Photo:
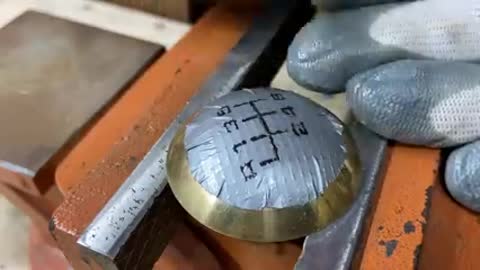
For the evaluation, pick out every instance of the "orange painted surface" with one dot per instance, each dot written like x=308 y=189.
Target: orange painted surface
x=452 y=236
x=396 y=231
x=235 y=254
x=186 y=252
x=121 y=138
x=110 y=150
x=154 y=100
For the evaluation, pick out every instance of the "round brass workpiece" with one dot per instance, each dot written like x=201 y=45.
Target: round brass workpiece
x=268 y=224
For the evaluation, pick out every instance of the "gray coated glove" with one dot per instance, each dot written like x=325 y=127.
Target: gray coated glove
x=410 y=71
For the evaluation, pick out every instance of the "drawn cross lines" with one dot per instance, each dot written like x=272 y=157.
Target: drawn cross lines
x=298 y=129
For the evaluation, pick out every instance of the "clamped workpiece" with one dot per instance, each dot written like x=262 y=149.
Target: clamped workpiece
x=121 y=213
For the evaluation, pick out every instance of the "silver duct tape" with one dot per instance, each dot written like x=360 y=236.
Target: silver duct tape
x=462 y=175
x=430 y=103
x=335 y=46
x=259 y=148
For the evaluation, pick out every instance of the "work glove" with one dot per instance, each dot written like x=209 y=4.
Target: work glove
x=411 y=74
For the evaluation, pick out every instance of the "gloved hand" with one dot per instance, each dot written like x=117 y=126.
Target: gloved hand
x=410 y=75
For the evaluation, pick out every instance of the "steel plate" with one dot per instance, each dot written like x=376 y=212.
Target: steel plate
x=54 y=76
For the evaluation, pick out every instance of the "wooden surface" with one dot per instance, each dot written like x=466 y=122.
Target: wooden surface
x=103 y=15
x=111 y=150
x=400 y=214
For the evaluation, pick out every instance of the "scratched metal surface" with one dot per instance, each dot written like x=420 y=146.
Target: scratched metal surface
x=246 y=65
x=54 y=76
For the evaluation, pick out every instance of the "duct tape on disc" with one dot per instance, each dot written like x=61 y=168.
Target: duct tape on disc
x=264 y=148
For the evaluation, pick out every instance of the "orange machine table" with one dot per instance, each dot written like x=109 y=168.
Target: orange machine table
x=414 y=223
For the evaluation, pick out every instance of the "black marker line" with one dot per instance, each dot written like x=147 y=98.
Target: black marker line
x=256 y=116
x=275 y=150
x=259 y=137
x=235 y=146
x=248 y=102
x=229 y=123
x=252 y=172
x=263 y=122
x=197 y=145
x=288 y=111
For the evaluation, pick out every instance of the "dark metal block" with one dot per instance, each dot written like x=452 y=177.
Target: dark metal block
x=55 y=75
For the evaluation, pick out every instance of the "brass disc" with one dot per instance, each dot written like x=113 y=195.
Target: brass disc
x=267 y=224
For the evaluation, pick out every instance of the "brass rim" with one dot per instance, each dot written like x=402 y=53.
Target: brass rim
x=268 y=224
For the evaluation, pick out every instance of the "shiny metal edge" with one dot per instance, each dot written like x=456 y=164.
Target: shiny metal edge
x=16 y=168
x=137 y=194
x=335 y=247
x=268 y=224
